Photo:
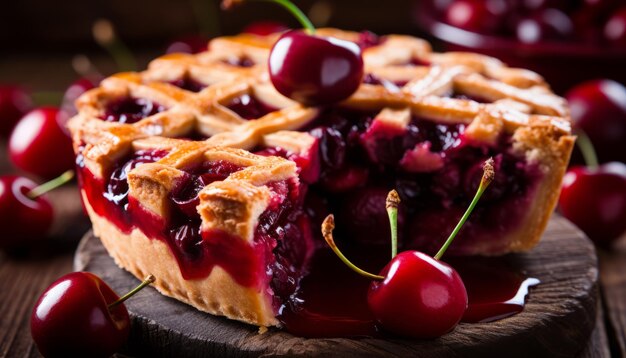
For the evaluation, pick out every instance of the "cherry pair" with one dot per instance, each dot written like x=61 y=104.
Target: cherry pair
x=415 y=295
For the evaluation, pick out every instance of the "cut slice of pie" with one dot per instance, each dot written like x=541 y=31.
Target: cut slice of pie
x=199 y=172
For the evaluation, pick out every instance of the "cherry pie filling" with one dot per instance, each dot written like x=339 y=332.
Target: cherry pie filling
x=189 y=84
x=130 y=110
x=273 y=263
x=353 y=163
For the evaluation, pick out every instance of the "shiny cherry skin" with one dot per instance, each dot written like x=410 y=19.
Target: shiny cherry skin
x=264 y=28
x=615 y=28
x=420 y=297
x=14 y=103
x=485 y=16
x=315 y=70
x=39 y=145
x=598 y=107
x=26 y=220
x=595 y=200
x=75 y=90
x=72 y=318
x=188 y=44
x=545 y=25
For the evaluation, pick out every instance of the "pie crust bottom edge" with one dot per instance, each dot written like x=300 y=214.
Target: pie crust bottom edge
x=217 y=294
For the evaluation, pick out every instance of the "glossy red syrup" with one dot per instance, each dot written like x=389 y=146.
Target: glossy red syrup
x=495 y=288
x=332 y=300
x=436 y=171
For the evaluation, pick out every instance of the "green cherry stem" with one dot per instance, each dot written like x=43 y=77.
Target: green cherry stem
x=293 y=9
x=488 y=175
x=146 y=281
x=52 y=184
x=327 y=230
x=391 y=204
x=586 y=148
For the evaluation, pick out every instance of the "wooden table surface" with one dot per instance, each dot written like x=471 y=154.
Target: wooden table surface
x=23 y=278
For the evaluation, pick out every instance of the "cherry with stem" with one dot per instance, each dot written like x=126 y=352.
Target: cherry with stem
x=594 y=197
x=23 y=204
x=399 y=297
x=51 y=185
x=310 y=69
x=79 y=315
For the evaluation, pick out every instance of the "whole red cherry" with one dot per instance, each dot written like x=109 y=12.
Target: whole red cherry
x=27 y=220
x=615 y=28
x=415 y=295
x=595 y=200
x=315 y=70
x=79 y=315
x=264 y=28
x=598 y=107
x=545 y=25
x=420 y=296
x=14 y=103
x=39 y=145
x=75 y=90
x=485 y=16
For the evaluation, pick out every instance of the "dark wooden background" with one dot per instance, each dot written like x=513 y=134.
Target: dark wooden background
x=38 y=40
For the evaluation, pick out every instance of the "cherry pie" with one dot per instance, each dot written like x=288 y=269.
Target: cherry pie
x=198 y=171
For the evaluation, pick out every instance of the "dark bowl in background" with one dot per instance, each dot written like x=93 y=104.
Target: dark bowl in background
x=562 y=64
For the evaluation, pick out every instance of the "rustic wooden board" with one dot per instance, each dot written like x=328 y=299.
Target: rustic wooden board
x=613 y=276
x=557 y=321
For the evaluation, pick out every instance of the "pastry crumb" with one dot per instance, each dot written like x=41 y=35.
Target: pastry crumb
x=262 y=330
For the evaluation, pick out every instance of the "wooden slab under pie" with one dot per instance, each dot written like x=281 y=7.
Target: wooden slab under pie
x=557 y=320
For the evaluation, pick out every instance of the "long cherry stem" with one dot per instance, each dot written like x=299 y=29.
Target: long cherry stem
x=293 y=9
x=327 y=230
x=52 y=184
x=146 y=281
x=586 y=148
x=488 y=175
x=391 y=204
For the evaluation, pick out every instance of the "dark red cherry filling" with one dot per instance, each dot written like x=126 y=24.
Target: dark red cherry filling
x=248 y=106
x=282 y=241
x=240 y=61
x=130 y=110
x=433 y=166
x=189 y=84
